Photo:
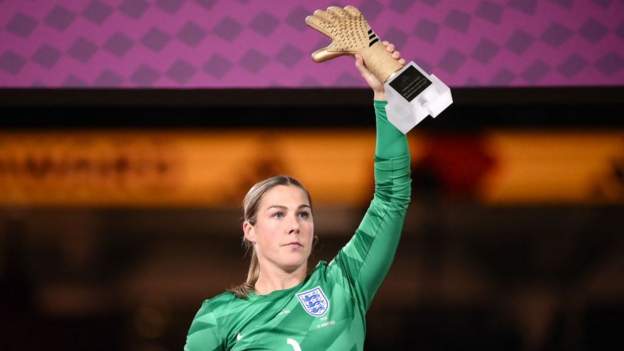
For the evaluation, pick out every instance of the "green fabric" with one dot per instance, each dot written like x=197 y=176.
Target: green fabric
x=279 y=321
x=390 y=141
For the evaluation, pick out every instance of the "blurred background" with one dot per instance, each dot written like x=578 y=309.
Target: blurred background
x=131 y=130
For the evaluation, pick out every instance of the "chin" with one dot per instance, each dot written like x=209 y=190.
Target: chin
x=293 y=265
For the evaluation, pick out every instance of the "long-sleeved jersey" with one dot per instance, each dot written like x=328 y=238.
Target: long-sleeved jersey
x=327 y=310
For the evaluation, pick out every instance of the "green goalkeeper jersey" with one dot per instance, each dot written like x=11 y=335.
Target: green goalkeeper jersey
x=327 y=311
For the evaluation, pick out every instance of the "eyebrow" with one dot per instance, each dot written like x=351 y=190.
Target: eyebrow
x=285 y=208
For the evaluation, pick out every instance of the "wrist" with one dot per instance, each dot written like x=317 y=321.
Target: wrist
x=379 y=95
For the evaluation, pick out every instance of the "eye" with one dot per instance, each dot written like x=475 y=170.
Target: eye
x=278 y=214
x=304 y=214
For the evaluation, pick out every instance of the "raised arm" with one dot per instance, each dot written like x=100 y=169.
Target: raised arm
x=367 y=257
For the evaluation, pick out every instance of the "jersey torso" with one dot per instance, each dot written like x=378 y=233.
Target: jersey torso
x=320 y=314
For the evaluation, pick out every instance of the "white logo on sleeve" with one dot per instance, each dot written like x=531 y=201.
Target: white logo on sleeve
x=314 y=302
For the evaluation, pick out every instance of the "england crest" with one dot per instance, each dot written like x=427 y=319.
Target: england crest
x=314 y=302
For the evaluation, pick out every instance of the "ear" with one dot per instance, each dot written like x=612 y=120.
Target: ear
x=249 y=231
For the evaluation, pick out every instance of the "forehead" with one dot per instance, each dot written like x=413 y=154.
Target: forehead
x=284 y=195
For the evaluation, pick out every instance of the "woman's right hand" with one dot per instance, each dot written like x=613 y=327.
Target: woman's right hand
x=372 y=81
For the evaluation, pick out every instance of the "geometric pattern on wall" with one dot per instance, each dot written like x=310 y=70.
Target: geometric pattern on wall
x=244 y=43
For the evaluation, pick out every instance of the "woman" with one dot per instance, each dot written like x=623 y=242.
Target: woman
x=281 y=306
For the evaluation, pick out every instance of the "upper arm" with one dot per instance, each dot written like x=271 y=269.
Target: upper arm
x=367 y=257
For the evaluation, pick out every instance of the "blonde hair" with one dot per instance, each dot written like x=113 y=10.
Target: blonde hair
x=251 y=204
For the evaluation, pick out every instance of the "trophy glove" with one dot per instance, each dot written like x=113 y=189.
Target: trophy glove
x=350 y=35
x=349 y=31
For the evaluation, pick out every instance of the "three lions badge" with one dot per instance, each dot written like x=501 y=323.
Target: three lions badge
x=314 y=302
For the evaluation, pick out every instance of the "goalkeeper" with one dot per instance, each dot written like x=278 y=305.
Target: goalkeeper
x=284 y=306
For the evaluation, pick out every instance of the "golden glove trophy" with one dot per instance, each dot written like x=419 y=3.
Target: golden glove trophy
x=412 y=94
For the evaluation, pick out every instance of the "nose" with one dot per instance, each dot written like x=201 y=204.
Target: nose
x=293 y=225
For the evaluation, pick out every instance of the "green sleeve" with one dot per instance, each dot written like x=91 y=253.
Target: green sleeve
x=203 y=335
x=366 y=258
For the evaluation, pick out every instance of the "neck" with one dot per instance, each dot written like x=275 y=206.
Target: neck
x=272 y=278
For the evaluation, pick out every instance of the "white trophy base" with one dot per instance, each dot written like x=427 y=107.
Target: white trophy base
x=405 y=114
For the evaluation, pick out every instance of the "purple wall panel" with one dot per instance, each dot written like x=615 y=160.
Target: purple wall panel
x=253 y=43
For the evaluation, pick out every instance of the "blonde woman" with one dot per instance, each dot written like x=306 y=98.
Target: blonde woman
x=283 y=305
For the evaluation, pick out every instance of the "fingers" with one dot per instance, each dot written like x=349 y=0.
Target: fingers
x=337 y=11
x=318 y=23
x=323 y=15
x=352 y=10
x=324 y=54
x=322 y=20
x=389 y=46
x=359 y=64
x=334 y=13
x=395 y=53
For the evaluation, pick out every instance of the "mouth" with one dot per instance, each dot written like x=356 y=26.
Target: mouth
x=293 y=244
